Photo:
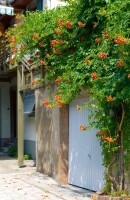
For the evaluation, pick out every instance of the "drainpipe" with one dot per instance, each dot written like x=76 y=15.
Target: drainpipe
x=40 y=4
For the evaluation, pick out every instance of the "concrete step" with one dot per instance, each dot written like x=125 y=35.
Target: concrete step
x=5 y=149
x=8 y=144
x=3 y=153
x=1 y=149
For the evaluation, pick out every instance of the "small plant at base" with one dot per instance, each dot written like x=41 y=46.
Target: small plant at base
x=27 y=156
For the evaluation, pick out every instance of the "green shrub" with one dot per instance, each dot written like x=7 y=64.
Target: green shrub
x=13 y=152
x=27 y=156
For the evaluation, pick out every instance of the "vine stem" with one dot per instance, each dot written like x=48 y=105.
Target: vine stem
x=121 y=156
x=122 y=117
x=113 y=180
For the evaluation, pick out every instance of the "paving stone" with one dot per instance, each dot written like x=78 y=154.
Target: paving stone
x=27 y=184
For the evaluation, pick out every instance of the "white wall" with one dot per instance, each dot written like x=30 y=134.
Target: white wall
x=29 y=128
x=52 y=3
x=29 y=136
x=55 y=3
x=5 y=109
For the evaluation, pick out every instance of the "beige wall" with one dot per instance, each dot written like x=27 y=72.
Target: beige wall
x=51 y=137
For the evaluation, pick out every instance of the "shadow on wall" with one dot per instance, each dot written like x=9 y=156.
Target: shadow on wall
x=51 y=151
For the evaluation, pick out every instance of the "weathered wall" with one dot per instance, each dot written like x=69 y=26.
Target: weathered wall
x=64 y=144
x=51 y=137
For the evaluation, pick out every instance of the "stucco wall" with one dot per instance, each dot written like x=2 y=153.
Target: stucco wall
x=29 y=136
x=52 y=144
x=29 y=128
x=30 y=148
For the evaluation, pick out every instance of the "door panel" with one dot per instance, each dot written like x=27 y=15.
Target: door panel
x=85 y=160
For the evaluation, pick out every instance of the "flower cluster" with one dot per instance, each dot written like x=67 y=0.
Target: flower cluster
x=98 y=40
x=69 y=25
x=110 y=98
x=58 y=99
x=102 y=56
x=94 y=76
x=35 y=81
x=105 y=137
x=78 y=107
x=120 y=63
x=81 y=24
x=83 y=127
x=42 y=62
x=58 y=80
x=121 y=40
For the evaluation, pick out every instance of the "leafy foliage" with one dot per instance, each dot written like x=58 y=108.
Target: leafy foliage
x=85 y=45
x=13 y=152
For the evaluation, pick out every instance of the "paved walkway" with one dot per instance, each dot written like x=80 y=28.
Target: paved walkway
x=27 y=184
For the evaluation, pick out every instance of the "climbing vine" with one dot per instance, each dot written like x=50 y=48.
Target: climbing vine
x=85 y=44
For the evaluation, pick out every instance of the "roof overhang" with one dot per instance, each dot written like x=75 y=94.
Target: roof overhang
x=10 y=8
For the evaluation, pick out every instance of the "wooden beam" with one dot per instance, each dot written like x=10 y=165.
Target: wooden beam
x=20 y=118
x=26 y=87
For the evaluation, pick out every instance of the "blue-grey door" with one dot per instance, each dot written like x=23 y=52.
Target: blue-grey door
x=85 y=160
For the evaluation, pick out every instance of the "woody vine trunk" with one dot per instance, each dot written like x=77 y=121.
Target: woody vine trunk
x=121 y=153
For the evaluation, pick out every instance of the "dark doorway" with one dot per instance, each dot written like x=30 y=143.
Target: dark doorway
x=13 y=112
